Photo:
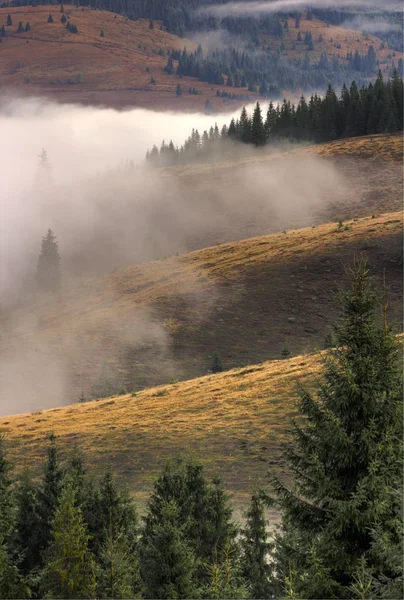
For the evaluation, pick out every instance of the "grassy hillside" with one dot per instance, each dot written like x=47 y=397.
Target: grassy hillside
x=117 y=69
x=161 y=321
x=88 y=68
x=235 y=422
x=369 y=181
x=336 y=40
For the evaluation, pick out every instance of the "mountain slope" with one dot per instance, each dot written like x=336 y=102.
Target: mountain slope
x=159 y=321
x=114 y=70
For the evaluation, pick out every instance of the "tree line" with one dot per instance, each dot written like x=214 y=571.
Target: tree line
x=375 y=108
x=67 y=535
x=269 y=72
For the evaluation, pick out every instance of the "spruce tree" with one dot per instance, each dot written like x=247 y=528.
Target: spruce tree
x=115 y=569
x=69 y=570
x=48 y=269
x=28 y=534
x=27 y=27
x=9 y=20
x=20 y=28
x=256 y=549
x=7 y=509
x=258 y=136
x=49 y=493
x=216 y=365
x=178 y=90
x=346 y=457
x=167 y=560
x=12 y=584
x=225 y=578
x=50 y=18
x=63 y=18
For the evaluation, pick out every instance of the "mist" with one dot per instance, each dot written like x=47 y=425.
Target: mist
x=110 y=211
x=259 y=7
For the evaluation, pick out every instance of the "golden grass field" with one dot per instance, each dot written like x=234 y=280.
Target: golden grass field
x=112 y=68
x=235 y=422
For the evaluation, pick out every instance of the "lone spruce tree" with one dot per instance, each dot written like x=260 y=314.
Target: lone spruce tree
x=69 y=570
x=346 y=457
x=48 y=269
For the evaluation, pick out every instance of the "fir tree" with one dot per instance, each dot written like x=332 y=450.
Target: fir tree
x=28 y=534
x=151 y=24
x=9 y=20
x=256 y=549
x=20 y=28
x=178 y=90
x=167 y=560
x=12 y=584
x=216 y=364
x=49 y=493
x=27 y=27
x=102 y=34
x=63 y=18
x=3 y=31
x=48 y=269
x=6 y=496
x=258 y=136
x=69 y=570
x=225 y=578
x=50 y=18
x=346 y=456
x=116 y=568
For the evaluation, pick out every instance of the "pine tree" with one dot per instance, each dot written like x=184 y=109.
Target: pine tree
x=9 y=20
x=3 y=31
x=102 y=34
x=116 y=568
x=48 y=269
x=346 y=457
x=258 y=136
x=63 y=18
x=225 y=578
x=256 y=549
x=6 y=495
x=50 y=18
x=12 y=584
x=28 y=534
x=27 y=27
x=20 y=28
x=69 y=570
x=216 y=365
x=178 y=91
x=167 y=560
x=49 y=493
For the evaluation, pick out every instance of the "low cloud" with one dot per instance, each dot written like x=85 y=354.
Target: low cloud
x=277 y=6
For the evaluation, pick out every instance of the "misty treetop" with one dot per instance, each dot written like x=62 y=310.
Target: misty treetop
x=375 y=108
x=48 y=273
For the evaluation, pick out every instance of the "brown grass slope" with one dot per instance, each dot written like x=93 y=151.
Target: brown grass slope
x=235 y=422
x=244 y=299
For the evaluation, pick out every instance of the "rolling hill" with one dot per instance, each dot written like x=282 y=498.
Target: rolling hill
x=114 y=70
x=125 y=66
x=158 y=322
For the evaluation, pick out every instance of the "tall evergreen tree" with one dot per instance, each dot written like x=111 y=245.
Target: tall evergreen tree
x=69 y=570
x=256 y=549
x=346 y=456
x=116 y=567
x=9 y=20
x=48 y=269
x=167 y=560
x=49 y=493
x=27 y=535
x=258 y=137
